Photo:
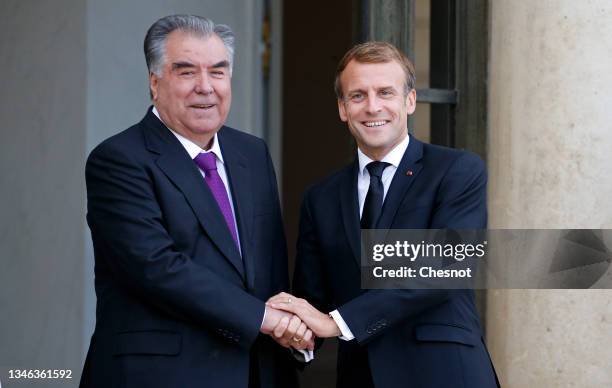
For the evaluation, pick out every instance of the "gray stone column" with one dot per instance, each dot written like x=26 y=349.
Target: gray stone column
x=42 y=198
x=549 y=157
x=390 y=21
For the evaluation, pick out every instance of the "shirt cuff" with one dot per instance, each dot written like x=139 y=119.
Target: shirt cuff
x=303 y=355
x=264 y=317
x=347 y=335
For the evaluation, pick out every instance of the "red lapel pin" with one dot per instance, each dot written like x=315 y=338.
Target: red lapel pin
x=409 y=172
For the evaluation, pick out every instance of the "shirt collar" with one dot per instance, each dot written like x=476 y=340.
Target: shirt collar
x=192 y=148
x=394 y=157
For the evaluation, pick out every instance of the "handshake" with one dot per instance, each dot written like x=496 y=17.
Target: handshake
x=293 y=322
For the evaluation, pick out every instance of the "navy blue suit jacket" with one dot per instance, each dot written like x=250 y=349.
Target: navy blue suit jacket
x=414 y=338
x=177 y=305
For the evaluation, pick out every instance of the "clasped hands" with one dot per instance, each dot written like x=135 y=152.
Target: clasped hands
x=293 y=322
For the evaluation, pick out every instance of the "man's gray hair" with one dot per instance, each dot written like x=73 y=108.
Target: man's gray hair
x=155 y=40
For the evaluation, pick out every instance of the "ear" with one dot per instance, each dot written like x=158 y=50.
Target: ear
x=342 y=110
x=153 y=83
x=411 y=102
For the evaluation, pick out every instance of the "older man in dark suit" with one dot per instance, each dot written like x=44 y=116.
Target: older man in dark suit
x=187 y=232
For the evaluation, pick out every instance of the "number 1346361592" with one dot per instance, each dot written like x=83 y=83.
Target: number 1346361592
x=40 y=374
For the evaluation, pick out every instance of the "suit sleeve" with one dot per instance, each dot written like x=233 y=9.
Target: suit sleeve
x=127 y=224
x=461 y=204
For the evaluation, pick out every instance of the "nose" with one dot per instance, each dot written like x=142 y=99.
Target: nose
x=373 y=105
x=203 y=85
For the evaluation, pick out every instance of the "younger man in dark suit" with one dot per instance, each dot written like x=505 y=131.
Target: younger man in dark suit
x=389 y=338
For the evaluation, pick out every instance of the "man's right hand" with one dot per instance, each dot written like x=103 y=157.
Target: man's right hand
x=287 y=329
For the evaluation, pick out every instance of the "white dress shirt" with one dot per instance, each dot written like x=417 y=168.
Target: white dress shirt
x=394 y=157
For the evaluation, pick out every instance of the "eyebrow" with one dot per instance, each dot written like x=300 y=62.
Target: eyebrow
x=390 y=87
x=356 y=91
x=219 y=64
x=182 y=65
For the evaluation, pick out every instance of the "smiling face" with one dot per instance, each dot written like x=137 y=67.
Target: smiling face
x=193 y=93
x=374 y=105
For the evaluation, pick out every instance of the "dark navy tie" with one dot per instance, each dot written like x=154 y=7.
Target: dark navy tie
x=374 y=199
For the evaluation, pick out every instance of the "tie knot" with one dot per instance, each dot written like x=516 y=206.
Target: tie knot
x=206 y=161
x=376 y=168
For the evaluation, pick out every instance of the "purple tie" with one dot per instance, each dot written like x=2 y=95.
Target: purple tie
x=208 y=163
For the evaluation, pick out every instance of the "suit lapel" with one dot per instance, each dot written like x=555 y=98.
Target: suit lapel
x=350 y=209
x=406 y=174
x=240 y=182
x=174 y=161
